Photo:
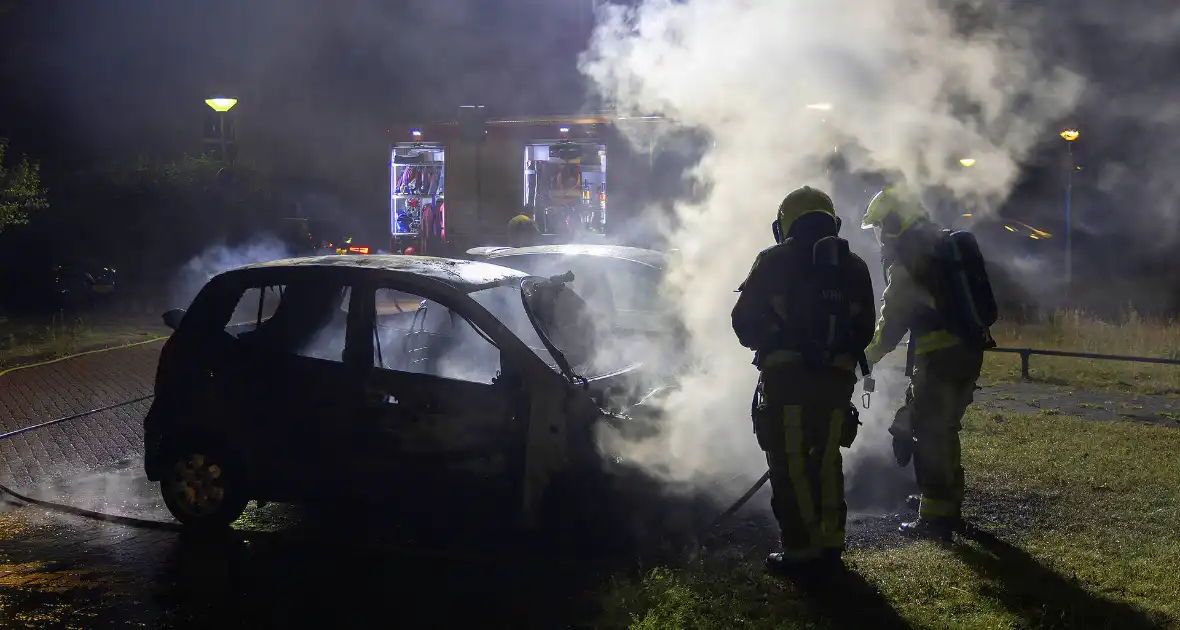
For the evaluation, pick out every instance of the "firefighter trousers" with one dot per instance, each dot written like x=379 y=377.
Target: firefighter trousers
x=799 y=422
x=941 y=389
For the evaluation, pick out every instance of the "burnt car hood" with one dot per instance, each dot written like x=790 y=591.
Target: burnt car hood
x=567 y=327
x=562 y=320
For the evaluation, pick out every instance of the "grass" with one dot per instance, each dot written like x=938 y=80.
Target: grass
x=1097 y=504
x=23 y=342
x=1077 y=332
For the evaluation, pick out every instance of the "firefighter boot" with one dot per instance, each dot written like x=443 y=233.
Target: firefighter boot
x=780 y=563
x=930 y=528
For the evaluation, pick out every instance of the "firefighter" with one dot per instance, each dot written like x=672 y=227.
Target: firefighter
x=945 y=366
x=522 y=231
x=807 y=310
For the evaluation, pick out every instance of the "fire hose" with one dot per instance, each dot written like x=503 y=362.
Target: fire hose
x=77 y=511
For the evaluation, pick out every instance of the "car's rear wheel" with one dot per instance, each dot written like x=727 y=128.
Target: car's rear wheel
x=203 y=485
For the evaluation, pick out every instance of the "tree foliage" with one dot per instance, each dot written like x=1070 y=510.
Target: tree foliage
x=151 y=217
x=21 y=192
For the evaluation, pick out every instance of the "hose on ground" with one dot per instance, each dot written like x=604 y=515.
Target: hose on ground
x=143 y=523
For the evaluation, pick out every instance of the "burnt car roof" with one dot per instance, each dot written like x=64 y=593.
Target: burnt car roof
x=464 y=275
x=648 y=257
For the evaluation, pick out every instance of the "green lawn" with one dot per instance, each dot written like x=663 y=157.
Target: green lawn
x=23 y=342
x=1078 y=333
x=1099 y=547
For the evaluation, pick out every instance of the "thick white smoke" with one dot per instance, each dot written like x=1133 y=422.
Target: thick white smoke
x=219 y=258
x=897 y=86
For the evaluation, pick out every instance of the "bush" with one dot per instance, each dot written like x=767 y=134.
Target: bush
x=20 y=190
x=149 y=218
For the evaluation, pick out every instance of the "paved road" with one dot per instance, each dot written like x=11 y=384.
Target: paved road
x=1059 y=400
x=37 y=394
x=291 y=567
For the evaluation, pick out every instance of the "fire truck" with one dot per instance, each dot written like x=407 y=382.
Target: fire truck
x=455 y=184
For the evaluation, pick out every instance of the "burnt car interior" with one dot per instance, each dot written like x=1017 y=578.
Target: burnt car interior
x=420 y=336
x=303 y=319
x=411 y=333
x=360 y=373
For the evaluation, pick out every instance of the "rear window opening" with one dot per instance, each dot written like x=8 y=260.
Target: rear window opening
x=308 y=320
x=257 y=305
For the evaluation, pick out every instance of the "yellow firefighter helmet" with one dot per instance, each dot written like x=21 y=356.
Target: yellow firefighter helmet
x=801 y=201
x=893 y=211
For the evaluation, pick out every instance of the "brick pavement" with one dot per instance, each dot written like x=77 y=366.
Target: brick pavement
x=100 y=441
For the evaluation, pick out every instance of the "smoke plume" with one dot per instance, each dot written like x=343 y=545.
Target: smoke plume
x=217 y=259
x=899 y=89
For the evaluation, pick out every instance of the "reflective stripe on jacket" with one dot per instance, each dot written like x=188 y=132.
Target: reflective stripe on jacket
x=903 y=306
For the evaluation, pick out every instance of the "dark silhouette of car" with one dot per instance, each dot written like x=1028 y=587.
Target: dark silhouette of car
x=379 y=378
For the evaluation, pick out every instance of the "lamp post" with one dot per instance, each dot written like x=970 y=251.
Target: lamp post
x=221 y=105
x=1069 y=135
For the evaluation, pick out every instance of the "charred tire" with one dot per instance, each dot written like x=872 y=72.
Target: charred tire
x=203 y=483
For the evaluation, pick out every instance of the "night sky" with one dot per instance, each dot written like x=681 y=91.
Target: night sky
x=84 y=81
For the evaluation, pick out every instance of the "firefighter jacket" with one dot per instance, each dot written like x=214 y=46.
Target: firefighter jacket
x=907 y=305
x=773 y=312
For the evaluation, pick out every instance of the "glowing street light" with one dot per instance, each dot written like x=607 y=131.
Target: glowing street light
x=967 y=162
x=823 y=107
x=221 y=104
x=1069 y=135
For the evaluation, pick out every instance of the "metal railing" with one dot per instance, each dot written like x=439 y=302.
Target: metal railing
x=1025 y=353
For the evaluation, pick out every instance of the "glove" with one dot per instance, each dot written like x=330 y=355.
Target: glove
x=902 y=432
x=903 y=446
x=850 y=427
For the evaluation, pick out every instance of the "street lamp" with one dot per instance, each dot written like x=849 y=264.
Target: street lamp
x=967 y=162
x=823 y=107
x=221 y=105
x=1069 y=135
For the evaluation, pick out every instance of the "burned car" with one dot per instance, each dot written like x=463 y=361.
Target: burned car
x=375 y=376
